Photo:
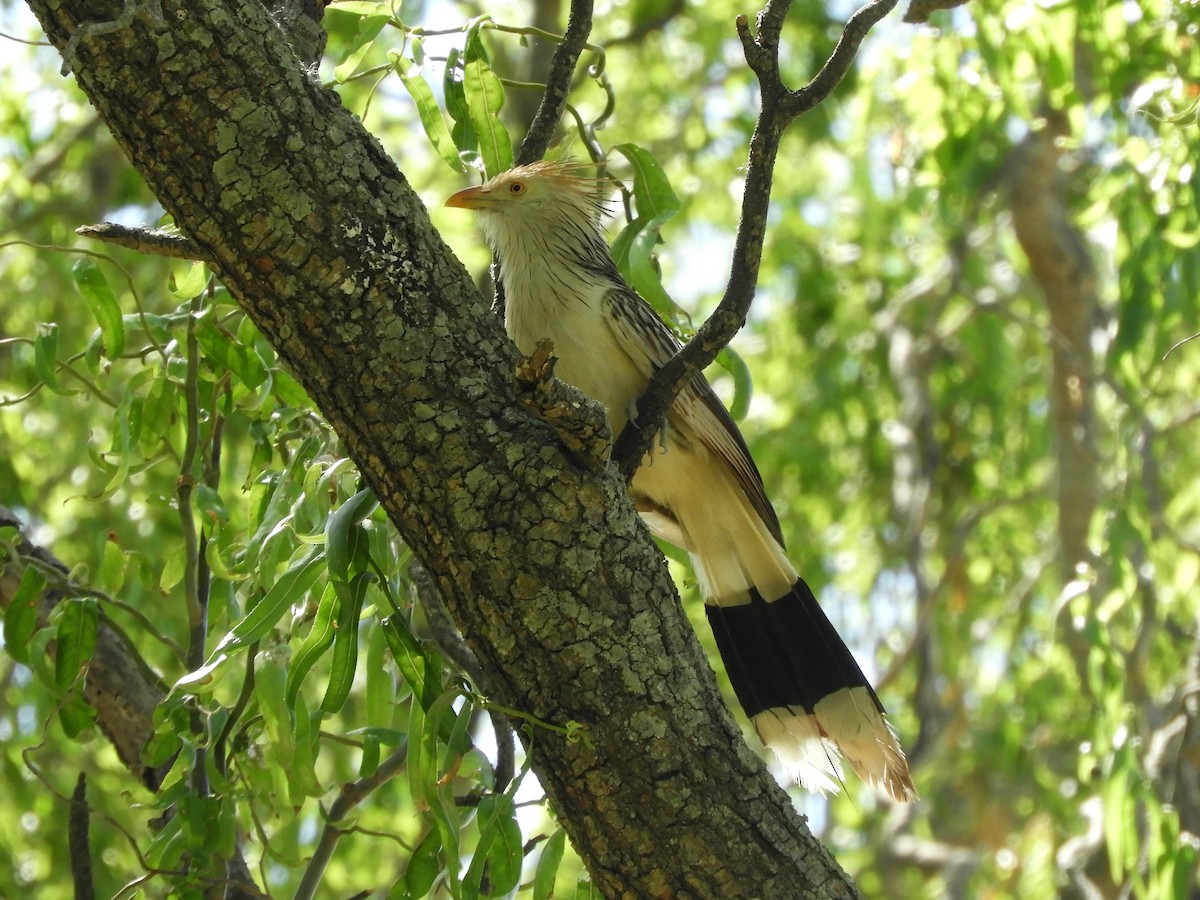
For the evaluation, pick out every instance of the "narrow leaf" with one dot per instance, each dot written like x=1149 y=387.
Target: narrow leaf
x=547 y=866
x=270 y=689
x=93 y=287
x=345 y=641
x=76 y=621
x=302 y=776
x=381 y=688
x=318 y=640
x=424 y=866
x=428 y=111
x=344 y=534
x=485 y=97
x=410 y=659
x=21 y=617
x=45 y=357
x=290 y=586
x=499 y=852
x=369 y=27
x=743 y=383
x=652 y=191
x=187 y=279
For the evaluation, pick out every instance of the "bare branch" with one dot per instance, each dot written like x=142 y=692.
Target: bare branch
x=558 y=83
x=351 y=794
x=780 y=108
x=155 y=241
x=78 y=843
x=1062 y=267
x=450 y=642
x=919 y=11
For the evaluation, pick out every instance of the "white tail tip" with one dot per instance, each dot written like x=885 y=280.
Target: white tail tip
x=844 y=724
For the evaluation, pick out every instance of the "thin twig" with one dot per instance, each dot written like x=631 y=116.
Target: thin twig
x=351 y=795
x=780 y=107
x=196 y=607
x=450 y=642
x=77 y=841
x=558 y=83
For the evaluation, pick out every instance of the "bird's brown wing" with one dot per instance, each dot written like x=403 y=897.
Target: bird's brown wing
x=698 y=412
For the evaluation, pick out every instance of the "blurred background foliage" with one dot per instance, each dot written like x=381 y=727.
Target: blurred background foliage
x=1029 y=614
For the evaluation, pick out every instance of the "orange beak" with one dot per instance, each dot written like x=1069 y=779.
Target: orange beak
x=471 y=198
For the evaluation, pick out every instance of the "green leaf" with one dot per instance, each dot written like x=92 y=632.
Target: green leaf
x=76 y=622
x=158 y=414
x=147 y=327
x=743 y=382
x=187 y=279
x=410 y=659
x=547 y=866
x=167 y=845
x=456 y=101
x=424 y=777
x=642 y=266
x=75 y=642
x=499 y=852
x=210 y=505
x=289 y=391
x=484 y=95
x=458 y=741
x=93 y=286
x=289 y=588
x=45 y=357
x=226 y=353
x=345 y=538
x=275 y=704
x=121 y=449
x=652 y=191
x=369 y=26
x=302 y=776
x=111 y=576
x=381 y=688
x=368 y=761
x=423 y=869
x=428 y=111
x=172 y=572
x=635 y=247
x=171 y=719
x=21 y=617
x=361 y=7
x=317 y=641
x=345 y=641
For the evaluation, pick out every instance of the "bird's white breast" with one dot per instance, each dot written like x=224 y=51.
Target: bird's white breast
x=574 y=316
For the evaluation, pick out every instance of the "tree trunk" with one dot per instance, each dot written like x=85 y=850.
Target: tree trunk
x=541 y=560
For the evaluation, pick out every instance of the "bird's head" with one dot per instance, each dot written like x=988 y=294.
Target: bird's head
x=539 y=192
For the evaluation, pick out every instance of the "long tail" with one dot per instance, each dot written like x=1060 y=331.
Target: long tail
x=805 y=694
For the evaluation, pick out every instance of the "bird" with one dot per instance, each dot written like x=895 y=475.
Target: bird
x=697 y=487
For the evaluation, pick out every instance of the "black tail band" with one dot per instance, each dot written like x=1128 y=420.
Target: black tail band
x=783 y=652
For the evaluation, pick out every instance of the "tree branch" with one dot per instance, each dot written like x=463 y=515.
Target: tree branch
x=155 y=241
x=351 y=794
x=558 y=83
x=78 y=844
x=780 y=107
x=561 y=595
x=1063 y=269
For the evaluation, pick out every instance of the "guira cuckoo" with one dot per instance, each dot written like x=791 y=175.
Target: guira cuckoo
x=697 y=488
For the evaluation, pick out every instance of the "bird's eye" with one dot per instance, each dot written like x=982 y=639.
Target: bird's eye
x=517 y=187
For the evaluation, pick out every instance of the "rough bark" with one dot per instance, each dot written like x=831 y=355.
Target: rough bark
x=542 y=562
